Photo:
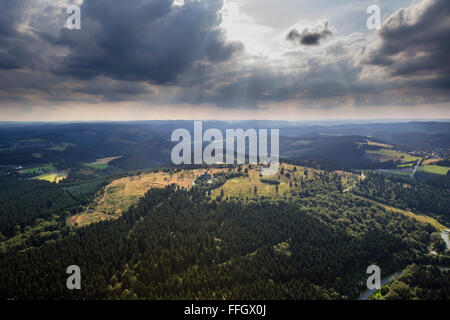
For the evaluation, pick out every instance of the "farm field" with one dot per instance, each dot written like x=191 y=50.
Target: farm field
x=434 y=169
x=431 y=161
x=378 y=144
x=388 y=154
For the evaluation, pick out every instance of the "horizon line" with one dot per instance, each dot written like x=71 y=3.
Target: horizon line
x=236 y=120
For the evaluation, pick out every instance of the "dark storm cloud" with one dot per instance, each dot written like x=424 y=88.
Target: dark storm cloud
x=148 y=40
x=15 y=50
x=415 y=42
x=144 y=41
x=309 y=37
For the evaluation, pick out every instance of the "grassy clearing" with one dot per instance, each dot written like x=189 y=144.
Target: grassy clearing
x=434 y=169
x=102 y=163
x=244 y=187
x=98 y=166
x=388 y=154
x=118 y=196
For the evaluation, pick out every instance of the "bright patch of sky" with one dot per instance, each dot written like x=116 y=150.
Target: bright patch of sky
x=262 y=25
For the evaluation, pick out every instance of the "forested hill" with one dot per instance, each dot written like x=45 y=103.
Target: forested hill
x=408 y=194
x=178 y=244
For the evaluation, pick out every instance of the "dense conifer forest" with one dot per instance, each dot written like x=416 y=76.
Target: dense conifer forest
x=313 y=242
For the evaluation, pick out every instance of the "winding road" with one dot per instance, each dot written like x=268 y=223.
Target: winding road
x=368 y=293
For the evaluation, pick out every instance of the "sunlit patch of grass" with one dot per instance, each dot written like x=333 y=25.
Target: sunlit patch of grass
x=55 y=177
x=407 y=165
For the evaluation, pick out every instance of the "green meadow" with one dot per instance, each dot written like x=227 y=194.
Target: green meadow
x=434 y=169
x=394 y=155
x=98 y=166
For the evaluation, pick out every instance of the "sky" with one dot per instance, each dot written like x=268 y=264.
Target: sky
x=224 y=59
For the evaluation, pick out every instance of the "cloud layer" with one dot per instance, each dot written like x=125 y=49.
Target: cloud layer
x=157 y=53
